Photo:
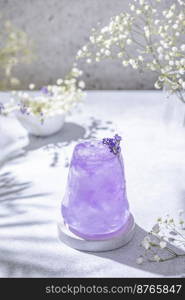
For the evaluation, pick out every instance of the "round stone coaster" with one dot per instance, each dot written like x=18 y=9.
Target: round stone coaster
x=76 y=242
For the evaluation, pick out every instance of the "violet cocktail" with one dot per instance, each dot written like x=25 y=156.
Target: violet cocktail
x=95 y=204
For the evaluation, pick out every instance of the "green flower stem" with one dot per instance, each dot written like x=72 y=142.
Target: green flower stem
x=138 y=43
x=177 y=232
x=181 y=96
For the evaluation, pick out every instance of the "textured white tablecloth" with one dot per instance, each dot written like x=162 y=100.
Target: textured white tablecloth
x=32 y=186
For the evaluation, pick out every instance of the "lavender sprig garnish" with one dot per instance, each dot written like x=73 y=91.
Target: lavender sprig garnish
x=45 y=91
x=113 y=144
x=23 y=109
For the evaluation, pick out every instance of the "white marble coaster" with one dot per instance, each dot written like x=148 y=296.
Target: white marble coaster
x=76 y=242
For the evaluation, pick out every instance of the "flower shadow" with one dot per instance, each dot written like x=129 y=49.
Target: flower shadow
x=128 y=254
x=15 y=266
x=70 y=133
x=21 y=223
x=12 y=192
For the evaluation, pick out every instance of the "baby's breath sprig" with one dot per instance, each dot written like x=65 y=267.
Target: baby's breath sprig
x=158 y=243
x=155 y=34
x=15 y=48
x=51 y=100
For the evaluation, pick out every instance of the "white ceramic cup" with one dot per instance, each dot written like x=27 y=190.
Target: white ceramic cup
x=32 y=123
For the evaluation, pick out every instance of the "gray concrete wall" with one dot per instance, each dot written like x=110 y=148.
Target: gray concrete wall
x=59 y=28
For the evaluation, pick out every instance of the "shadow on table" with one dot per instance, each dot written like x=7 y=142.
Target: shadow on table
x=15 y=259
x=128 y=254
x=11 y=193
x=16 y=256
x=15 y=265
x=71 y=132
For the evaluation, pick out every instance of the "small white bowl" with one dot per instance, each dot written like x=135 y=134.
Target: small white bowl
x=32 y=123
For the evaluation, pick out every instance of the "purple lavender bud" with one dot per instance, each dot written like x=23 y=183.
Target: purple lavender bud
x=106 y=141
x=118 y=149
x=113 y=143
x=23 y=109
x=44 y=90
x=117 y=138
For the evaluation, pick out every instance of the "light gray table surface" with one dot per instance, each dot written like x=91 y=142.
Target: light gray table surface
x=32 y=186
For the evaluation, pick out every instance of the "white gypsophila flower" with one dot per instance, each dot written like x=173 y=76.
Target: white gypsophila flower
x=107 y=52
x=92 y=39
x=171 y=63
x=133 y=63
x=183 y=84
x=59 y=81
x=81 y=84
x=141 y=2
x=79 y=53
x=140 y=58
x=182 y=47
x=157 y=86
x=139 y=260
x=104 y=29
x=156 y=228
x=146 y=7
x=146 y=243
x=181 y=71
x=125 y=63
x=160 y=50
x=162 y=244
x=147 y=31
x=120 y=54
x=156 y=258
x=174 y=49
x=181 y=2
x=138 y=11
x=84 y=48
x=31 y=86
x=181 y=221
x=129 y=41
x=89 y=61
x=180 y=81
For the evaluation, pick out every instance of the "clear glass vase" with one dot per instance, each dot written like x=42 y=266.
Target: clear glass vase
x=174 y=109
